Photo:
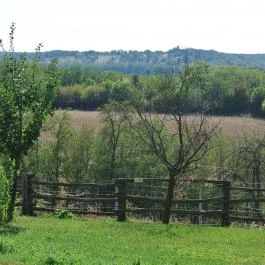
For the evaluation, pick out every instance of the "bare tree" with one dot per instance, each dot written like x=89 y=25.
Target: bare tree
x=115 y=124
x=249 y=165
x=187 y=140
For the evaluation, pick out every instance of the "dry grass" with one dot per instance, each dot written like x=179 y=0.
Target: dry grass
x=239 y=126
x=232 y=127
x=84 y=118
x=235 y=126
x=79 y=118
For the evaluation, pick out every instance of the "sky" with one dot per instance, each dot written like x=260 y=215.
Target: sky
x=233 y=26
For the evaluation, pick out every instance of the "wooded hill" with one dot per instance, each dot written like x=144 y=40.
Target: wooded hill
x=149 y=62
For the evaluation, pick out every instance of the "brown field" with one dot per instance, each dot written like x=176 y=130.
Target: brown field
x=84 y=118
x=229 y=126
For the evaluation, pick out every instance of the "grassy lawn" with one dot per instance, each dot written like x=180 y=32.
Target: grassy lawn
x=51 y=241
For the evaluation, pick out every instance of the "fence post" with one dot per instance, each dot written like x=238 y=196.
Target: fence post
x=226 y=202
x=27 y=189
x=121 y=196
x=200 y=218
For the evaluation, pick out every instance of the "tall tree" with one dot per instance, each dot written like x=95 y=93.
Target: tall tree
x=187 y=140
x=27 y=94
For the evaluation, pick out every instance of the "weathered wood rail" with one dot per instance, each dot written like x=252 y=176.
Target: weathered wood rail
x=116 y=199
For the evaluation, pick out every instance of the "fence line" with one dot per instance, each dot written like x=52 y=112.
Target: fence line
x=126 y=196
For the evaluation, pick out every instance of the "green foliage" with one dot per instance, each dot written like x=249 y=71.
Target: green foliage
x=48 y=158
x=4 y=194
x=77 y=166
x=27 y=94
x=26 y=98
x=226 y=90
x=143 y=62
x=257 y=98
x=6 y=247
x=232 y=90
x=82 y=155
x=64 y=214
x=118 y=152
x=67 y=154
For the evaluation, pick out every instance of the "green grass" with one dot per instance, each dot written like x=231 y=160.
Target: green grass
x=51 y=241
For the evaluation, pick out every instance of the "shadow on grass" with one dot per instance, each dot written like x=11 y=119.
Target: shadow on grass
x=8 y=229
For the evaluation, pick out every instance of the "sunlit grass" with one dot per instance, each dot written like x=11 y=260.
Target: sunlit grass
x=54 y=241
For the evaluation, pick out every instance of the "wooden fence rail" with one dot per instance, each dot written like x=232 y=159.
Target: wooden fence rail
x=118 y=199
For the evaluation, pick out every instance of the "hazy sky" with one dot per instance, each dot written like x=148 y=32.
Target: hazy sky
x=223 y=25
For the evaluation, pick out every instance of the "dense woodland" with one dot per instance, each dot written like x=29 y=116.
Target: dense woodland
x=227 y=90
x=233 y=84
x=148 y=62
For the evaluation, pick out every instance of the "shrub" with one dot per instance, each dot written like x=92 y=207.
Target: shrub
x=64 y=214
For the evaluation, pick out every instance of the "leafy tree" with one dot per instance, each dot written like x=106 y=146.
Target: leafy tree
x=77 y=167
x=257 y=100
x=26 y=99
x=94 y=97
x=65 y=153
x=60 y=128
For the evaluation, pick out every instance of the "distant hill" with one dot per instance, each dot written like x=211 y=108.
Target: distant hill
x=138 y=62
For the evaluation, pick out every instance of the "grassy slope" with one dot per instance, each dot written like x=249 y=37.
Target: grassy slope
x=109 y=242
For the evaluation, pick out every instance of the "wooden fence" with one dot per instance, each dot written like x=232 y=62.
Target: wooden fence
x=200 y=201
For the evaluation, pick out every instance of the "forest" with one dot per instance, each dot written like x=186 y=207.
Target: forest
x=147 y=62
x=227 y=90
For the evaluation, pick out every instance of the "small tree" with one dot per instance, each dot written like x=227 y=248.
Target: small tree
x=27 y=94
x=187 y=141
x=115 y=124
x=248 y=165
x=60 y=128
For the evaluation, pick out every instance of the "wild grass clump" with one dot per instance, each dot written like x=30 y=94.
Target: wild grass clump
x=6 y=247
x=64 y=214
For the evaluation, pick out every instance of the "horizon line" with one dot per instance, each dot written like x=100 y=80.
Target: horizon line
x=141 y=51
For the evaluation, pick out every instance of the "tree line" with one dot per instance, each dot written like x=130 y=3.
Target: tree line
x=147 y=62
x=227 y=90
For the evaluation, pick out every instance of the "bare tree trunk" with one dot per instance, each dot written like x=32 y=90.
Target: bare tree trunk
x=169 y=198
x=258 y=193
x=11 y=206
x=112 y=163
